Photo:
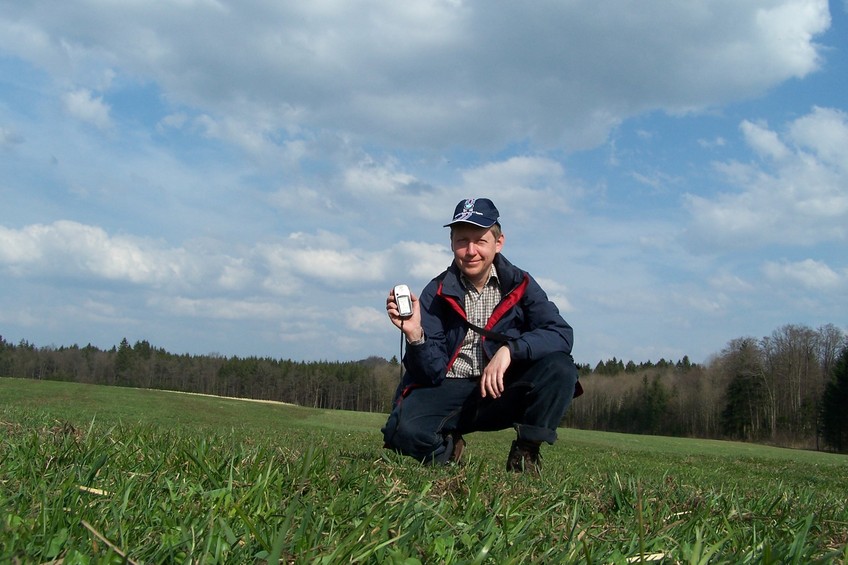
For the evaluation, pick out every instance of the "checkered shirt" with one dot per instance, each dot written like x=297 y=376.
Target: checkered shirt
x=479 y=306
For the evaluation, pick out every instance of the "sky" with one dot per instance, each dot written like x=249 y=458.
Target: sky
x=250 y=178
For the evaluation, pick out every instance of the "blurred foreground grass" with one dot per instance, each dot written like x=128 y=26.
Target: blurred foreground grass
x=92 y=474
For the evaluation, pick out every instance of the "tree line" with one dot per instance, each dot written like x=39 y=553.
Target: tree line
x=365 y=385
x=789 y=388
x=782 y=389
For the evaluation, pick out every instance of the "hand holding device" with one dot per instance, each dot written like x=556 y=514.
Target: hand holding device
x=403 y=299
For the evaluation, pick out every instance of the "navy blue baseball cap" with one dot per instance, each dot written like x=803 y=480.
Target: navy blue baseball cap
x=478 y=211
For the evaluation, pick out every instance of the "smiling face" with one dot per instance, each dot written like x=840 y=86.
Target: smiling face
x=474 y=249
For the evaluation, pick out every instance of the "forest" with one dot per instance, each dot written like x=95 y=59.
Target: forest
x=788 y=389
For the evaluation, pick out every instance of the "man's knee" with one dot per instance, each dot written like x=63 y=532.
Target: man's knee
x=556 y=370
x=401 y=438
x=410 y=440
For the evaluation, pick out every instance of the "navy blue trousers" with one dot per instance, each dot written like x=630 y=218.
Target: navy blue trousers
x=535 y=398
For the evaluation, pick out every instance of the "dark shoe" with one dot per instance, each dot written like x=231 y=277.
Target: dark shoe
x=458 y=448
x=524 y=457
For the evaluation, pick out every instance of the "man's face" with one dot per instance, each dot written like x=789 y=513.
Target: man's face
x=474 y=250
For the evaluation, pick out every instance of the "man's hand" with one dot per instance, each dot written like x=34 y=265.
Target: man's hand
x=411 y=326
x=492 y=379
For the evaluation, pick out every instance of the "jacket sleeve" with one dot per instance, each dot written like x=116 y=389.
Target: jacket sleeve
x=427 y=363
x=541 y=328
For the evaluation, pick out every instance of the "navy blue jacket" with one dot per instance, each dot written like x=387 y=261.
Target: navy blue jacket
x=525 y=314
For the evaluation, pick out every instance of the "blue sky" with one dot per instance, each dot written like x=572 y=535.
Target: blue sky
x=252 y=177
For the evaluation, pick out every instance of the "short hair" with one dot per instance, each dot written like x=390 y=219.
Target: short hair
x=495 y=229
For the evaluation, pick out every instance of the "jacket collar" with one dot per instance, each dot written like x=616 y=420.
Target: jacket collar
x=509 y=277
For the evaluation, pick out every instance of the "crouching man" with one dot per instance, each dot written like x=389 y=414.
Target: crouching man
x=486 y=350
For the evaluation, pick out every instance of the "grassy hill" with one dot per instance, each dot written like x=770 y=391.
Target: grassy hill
x=103 y=474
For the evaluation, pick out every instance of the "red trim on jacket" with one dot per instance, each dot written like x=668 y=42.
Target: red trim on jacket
x=506 y=304
x=459 y=310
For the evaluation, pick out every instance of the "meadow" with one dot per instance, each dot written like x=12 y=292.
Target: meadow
x=94 y=474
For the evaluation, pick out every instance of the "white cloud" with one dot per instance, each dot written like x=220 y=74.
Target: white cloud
x=825 y=132
x=557 y=293
x=421 y=260
x=796 y=195
x=219 y=308
x=324 y=257
x=370 y=179
x=712 y=143
x=280 y=279
x=657 y=180
x=176 y=121
x=764 y=141
x=454 y=73
x=365 y=319
x=515 y=173
x=82 y=105
x=337 y=267
x=235 y=274
x=809 y=274
x=70 y=249
x=787 y=30
x=727 y=282
x=522 y=186
x=302 y=198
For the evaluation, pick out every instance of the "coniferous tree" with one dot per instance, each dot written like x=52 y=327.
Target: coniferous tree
x=834 y=416
x=743 y=415
x=124 y=361
x=745 y=409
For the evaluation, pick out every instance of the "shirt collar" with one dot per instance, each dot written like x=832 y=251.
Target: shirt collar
x=491 y=281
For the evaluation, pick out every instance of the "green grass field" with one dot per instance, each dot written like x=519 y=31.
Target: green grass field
x=92 y=474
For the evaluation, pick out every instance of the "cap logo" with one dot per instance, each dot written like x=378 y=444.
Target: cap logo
x=467 y=210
